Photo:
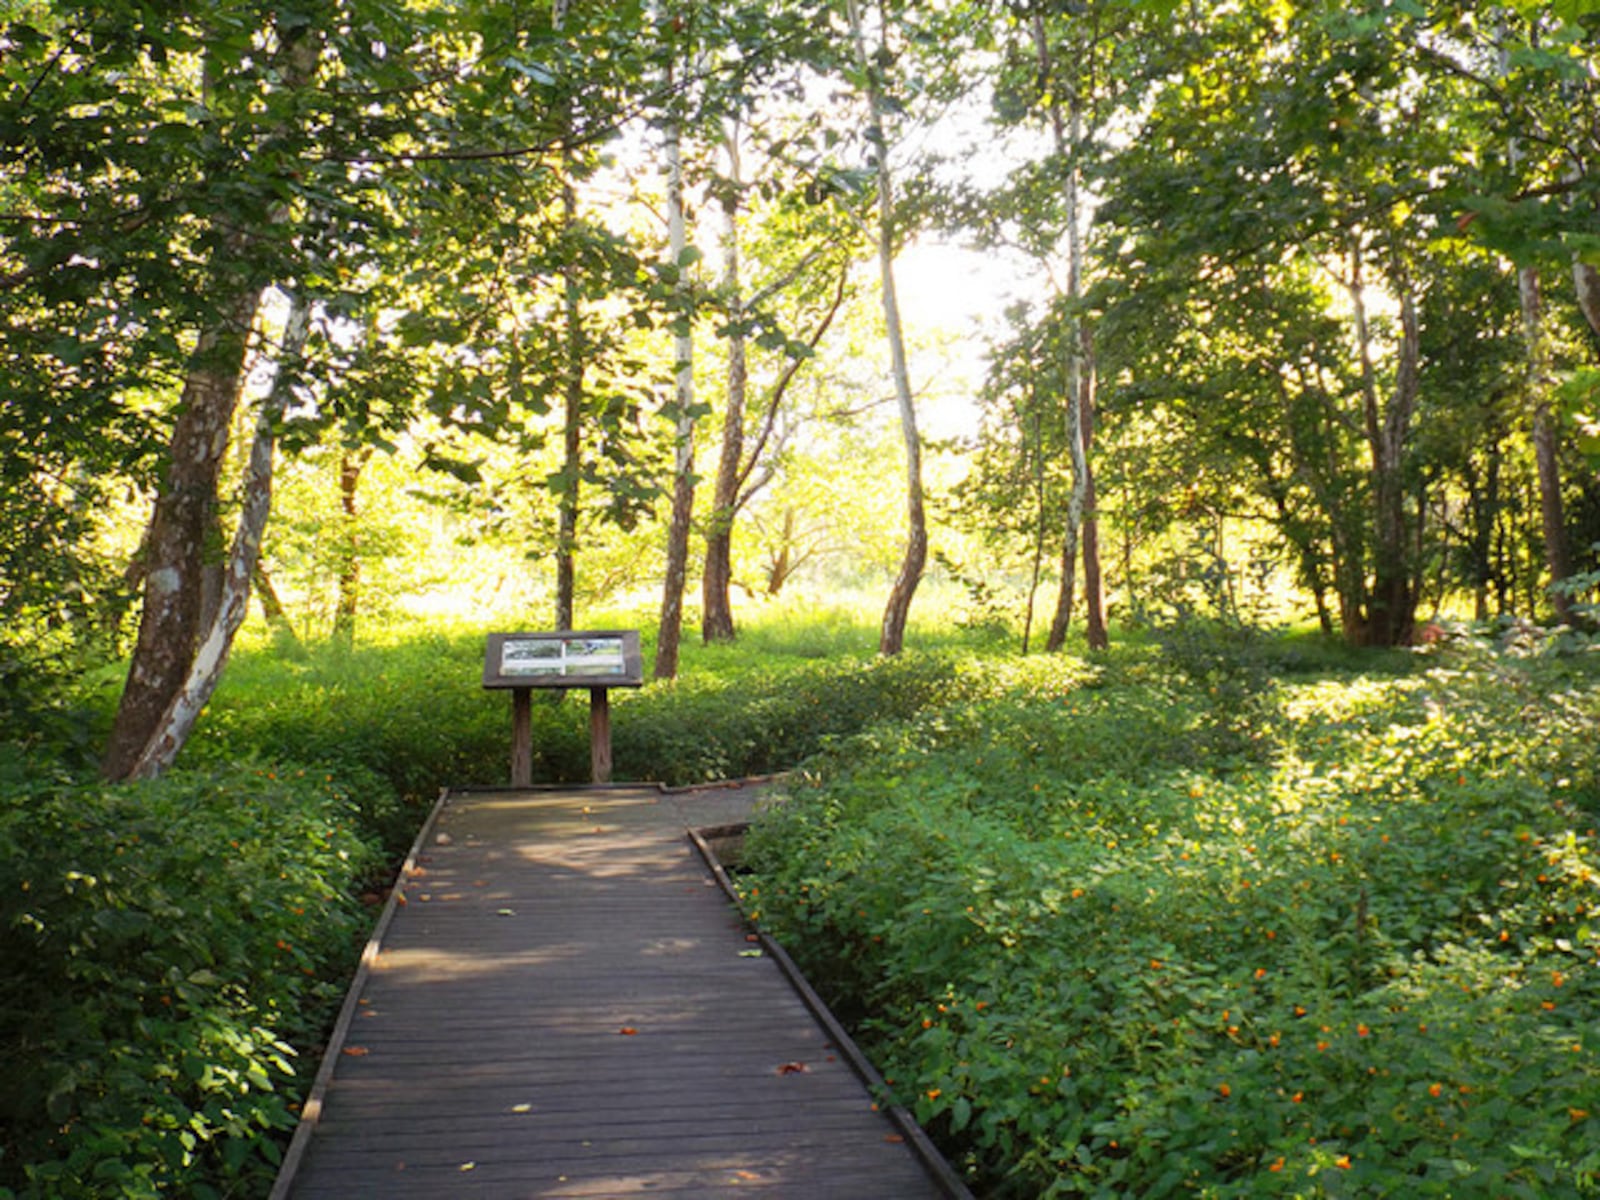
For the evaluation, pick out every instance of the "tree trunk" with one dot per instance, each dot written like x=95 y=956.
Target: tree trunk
x=1094 y=604
x=348 y=601
x=671 y=626
x=1062 y=620
x=1040 y=515
x=1067 y=132
x=716 y=619
x=205 y=669
x=781 y=565
x=1391 y=605
x=180 y=528
x=570 y=478
x=898 y=610
x=1552 y=515
x=1587 y=282
x=170 y=623
x=283 y=632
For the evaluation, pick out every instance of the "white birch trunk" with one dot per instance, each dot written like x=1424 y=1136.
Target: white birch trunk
x=205 y=672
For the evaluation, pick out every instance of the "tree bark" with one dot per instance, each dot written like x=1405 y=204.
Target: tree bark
x=671 y=625
x=898 y=610
x=1552 y=514
x=180 y=528
x=568 y=495
x=1391 y=604
x=272 y=610
x=716 y=619
x=184 y=707
x=348 y=601
x=1586 y=281
x=1082 y=527
x=1040 y=515
x=1094 y=604
x=570 y=477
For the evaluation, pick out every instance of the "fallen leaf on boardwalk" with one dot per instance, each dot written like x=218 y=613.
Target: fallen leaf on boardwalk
x=399 y=897
x=418 y=872
x=467 y=1166
x=893 y=1137
x=793 y=1068
x=444 y=839
x=752 y=937
x=627 y=1031
x=750 y=1175
x=506 y=912
x=424 y=896
x=522 y=1108
x=480 y=883
x=356 y=1051
x=749 y=954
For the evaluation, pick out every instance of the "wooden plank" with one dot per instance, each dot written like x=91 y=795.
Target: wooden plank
x=555 y=1011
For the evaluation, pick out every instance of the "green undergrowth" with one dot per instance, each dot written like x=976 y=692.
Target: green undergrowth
x=1194 y=928
x=167 y=947
x=175 y=951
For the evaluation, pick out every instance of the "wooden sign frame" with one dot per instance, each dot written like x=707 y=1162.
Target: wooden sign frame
x=597 y=659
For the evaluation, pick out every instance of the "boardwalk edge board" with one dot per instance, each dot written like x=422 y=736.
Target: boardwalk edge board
x=916 y=1138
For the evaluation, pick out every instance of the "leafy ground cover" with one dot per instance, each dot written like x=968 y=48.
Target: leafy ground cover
x=1189 y=924
x=167 y=947
x=175 y=951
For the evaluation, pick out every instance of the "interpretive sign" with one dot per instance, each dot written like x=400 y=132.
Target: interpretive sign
x=563 y=660
x=593 y=659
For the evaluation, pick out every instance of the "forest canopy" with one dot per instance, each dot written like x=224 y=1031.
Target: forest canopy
x=595 y=301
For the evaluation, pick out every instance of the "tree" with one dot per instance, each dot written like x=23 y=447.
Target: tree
x=870 y=79
x=803 y=280
x=1309 y=145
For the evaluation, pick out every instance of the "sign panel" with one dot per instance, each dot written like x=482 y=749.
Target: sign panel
x=579 y=658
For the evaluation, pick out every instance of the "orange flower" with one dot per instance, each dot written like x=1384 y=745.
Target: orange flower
x=1224 y=1090
x=1362 y=1031
x=934 y=1093
x=1277 y=1166
x=1342 y=1162
x=1435 y=1089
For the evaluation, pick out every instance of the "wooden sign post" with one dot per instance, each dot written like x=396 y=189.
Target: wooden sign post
x=595 y=659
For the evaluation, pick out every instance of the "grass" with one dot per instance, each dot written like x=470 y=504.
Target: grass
x=1215 y=916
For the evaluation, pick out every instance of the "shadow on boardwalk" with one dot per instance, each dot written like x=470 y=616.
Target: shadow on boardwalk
x=560 y=1002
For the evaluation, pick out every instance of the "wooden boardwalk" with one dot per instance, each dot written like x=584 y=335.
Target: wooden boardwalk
x=566 y=1005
